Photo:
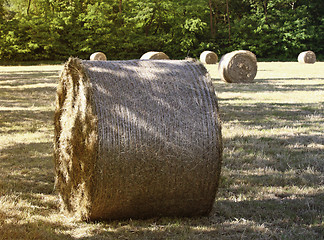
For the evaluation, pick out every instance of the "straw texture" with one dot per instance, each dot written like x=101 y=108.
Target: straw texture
x=238 y=67
x=307 y=57
x=208 y=57
x=98 y=56
x=154 y=56
x=136 y=139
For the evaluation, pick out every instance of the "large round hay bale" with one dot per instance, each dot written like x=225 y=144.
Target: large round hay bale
x=208 y=57
x=307 y=57
x=136 y=139
x=98 y=56
x=238 y=67
x=154 y=56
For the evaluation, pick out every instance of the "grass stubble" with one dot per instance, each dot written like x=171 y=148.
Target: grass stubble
x=272 y=184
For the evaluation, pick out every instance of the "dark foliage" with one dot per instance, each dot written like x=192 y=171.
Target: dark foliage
x=54 y=30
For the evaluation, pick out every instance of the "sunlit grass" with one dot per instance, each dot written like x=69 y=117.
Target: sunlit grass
x=272 y=183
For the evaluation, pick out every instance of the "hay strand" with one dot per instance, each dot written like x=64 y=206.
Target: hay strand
x=136 y=139
x=238 y=67
x=307 y=57
x=208 y=57
x=154 y=56
x=100 y=56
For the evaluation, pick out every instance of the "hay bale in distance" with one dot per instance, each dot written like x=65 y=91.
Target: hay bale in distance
x=238 y=67
x=208 y=57
x=136 y=139
x=154 y=56
x=98 y=56
x=307 y=57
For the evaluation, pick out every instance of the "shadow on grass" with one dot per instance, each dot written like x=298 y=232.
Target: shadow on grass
x=27 y=168
x=283 y=214
x=281 y=136
x=267 y=85
x=254 y=163
x=270 y=115
x=285 y=78
x=16 y=227
x=18 y=89
x=27 y=97
x=18 y=79
x=289 y=219
x=24 y=120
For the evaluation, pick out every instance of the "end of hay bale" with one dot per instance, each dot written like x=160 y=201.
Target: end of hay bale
x=208 y=57
x=238 y=67
x=127 y=142
x=99 y=56
x=154 y=56
x=75 y=141
x=307 y=57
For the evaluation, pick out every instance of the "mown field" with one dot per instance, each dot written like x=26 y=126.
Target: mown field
x=272 y=184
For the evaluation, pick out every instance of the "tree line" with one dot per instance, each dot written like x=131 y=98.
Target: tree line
x=32 y=30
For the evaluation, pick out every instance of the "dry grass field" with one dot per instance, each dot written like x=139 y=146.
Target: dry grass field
x=272 y=184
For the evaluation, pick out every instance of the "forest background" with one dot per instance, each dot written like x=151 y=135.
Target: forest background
x=34 y=30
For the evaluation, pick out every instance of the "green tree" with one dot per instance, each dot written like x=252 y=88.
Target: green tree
x=51 y=29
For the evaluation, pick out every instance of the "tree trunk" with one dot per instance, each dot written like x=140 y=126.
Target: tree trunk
x=120 y=6
x=215 y=17
x=148 y=26
x=28 y=6
x=229 y=23
x=265 y=7
x=212 y=32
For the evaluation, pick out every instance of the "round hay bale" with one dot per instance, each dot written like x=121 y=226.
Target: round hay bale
x=238 y=67
x=307 y=57
x=136 y=139
x=98 y=56
x=154 y=56
x=208 y=57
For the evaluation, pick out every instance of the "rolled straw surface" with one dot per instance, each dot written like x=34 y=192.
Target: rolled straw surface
x=154 y=56
x=238 y=67
x=136 y=139
x=208 y=57
x=98 y=56
x=307 y=57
